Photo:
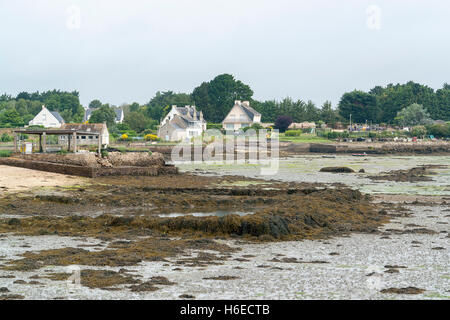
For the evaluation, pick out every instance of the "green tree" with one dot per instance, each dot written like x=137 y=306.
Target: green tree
x=11 y=118
x=137 y=121
x=328 y=115
x=216 y=98
x=95 y=104
x=440 y=110
x=419 y=131
x=361 y=105
x=104 y=114
x=413 y=115
x=393 y=98
x=156 y=108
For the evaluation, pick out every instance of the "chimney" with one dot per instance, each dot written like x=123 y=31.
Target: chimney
x=194 y=112
x=238 y=102
x=201 y=115
x=246 y=104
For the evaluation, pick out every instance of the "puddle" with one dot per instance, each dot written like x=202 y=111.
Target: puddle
x=204 y=214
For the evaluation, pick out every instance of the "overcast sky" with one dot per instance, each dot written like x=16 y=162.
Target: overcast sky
x=125 y=51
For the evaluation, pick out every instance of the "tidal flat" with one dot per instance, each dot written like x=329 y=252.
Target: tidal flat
x=311 y=234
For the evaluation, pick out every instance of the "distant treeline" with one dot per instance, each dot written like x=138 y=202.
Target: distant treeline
x=216 y=97
x=18 y=111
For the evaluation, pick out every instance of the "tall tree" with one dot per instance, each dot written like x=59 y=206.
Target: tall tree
x=156 y=106
x=216 y=98
x=95 y=104
x=413 y=115
x=360 y=105
x=104 y=114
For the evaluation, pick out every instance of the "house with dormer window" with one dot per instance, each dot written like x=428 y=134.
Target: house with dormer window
x=182 y=123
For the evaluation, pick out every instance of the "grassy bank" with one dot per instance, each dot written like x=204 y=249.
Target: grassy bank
x=303 y=138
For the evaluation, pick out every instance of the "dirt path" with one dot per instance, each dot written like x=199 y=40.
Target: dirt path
x=14 y=179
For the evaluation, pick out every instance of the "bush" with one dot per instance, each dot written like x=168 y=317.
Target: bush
x=255 y=126
x=6 y=138
x=282 y=123
x=293 y=133
x=104 y=153
x=337 y=135
x=124 y=137
x=214 y=126
x=151 y=137
x=419 y=131
x=439 y=130
x=5 y=153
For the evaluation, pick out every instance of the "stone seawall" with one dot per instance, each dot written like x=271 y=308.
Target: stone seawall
x=90 y=172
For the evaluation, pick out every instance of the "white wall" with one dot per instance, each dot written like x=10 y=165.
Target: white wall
x=46 y=119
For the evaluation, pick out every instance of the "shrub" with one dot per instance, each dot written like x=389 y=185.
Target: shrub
x=337 y=135
x=124 y=137
x=6 y=138
x=151 y=137
x=104 y=153
x=293 y=133
x=5 y=153
x=214 y=126
x=282 y=123
x=439 y=130
x=419 y=131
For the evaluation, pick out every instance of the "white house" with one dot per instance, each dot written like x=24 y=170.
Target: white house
x=119 y=115
x=182 y=123
x=241 y=116
x=47 y=118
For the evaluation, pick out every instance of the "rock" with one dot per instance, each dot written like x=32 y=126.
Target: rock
x=407 y=290
x=337 y=169
x=3 y=290
x=362 y=171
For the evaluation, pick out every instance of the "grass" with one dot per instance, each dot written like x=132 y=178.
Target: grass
x=305 y=138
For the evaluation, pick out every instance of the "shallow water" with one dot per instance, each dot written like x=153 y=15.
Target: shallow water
x=204 y=214
x=305 y=168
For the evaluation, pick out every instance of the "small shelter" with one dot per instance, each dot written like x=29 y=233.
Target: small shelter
x=72 y=136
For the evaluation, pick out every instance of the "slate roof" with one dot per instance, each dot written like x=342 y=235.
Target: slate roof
x=184 y=112
x=57 y=116
x=119 y=114
x=87 y=127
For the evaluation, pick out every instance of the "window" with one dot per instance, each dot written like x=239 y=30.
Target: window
x=91 y=137
x=230 y=126
x=83 y=137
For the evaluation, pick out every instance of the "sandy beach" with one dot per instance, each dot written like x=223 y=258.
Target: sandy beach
x=14 y=179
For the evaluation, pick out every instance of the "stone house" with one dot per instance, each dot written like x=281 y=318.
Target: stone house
x=182 y=123
x=86 y=139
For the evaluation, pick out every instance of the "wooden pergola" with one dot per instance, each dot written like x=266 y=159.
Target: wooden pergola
x=43 y=133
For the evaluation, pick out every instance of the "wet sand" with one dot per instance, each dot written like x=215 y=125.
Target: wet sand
x=13 y=179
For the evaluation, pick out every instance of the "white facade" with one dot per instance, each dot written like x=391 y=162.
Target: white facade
x=240 y=116
x=48 y=119
x=182 y=123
